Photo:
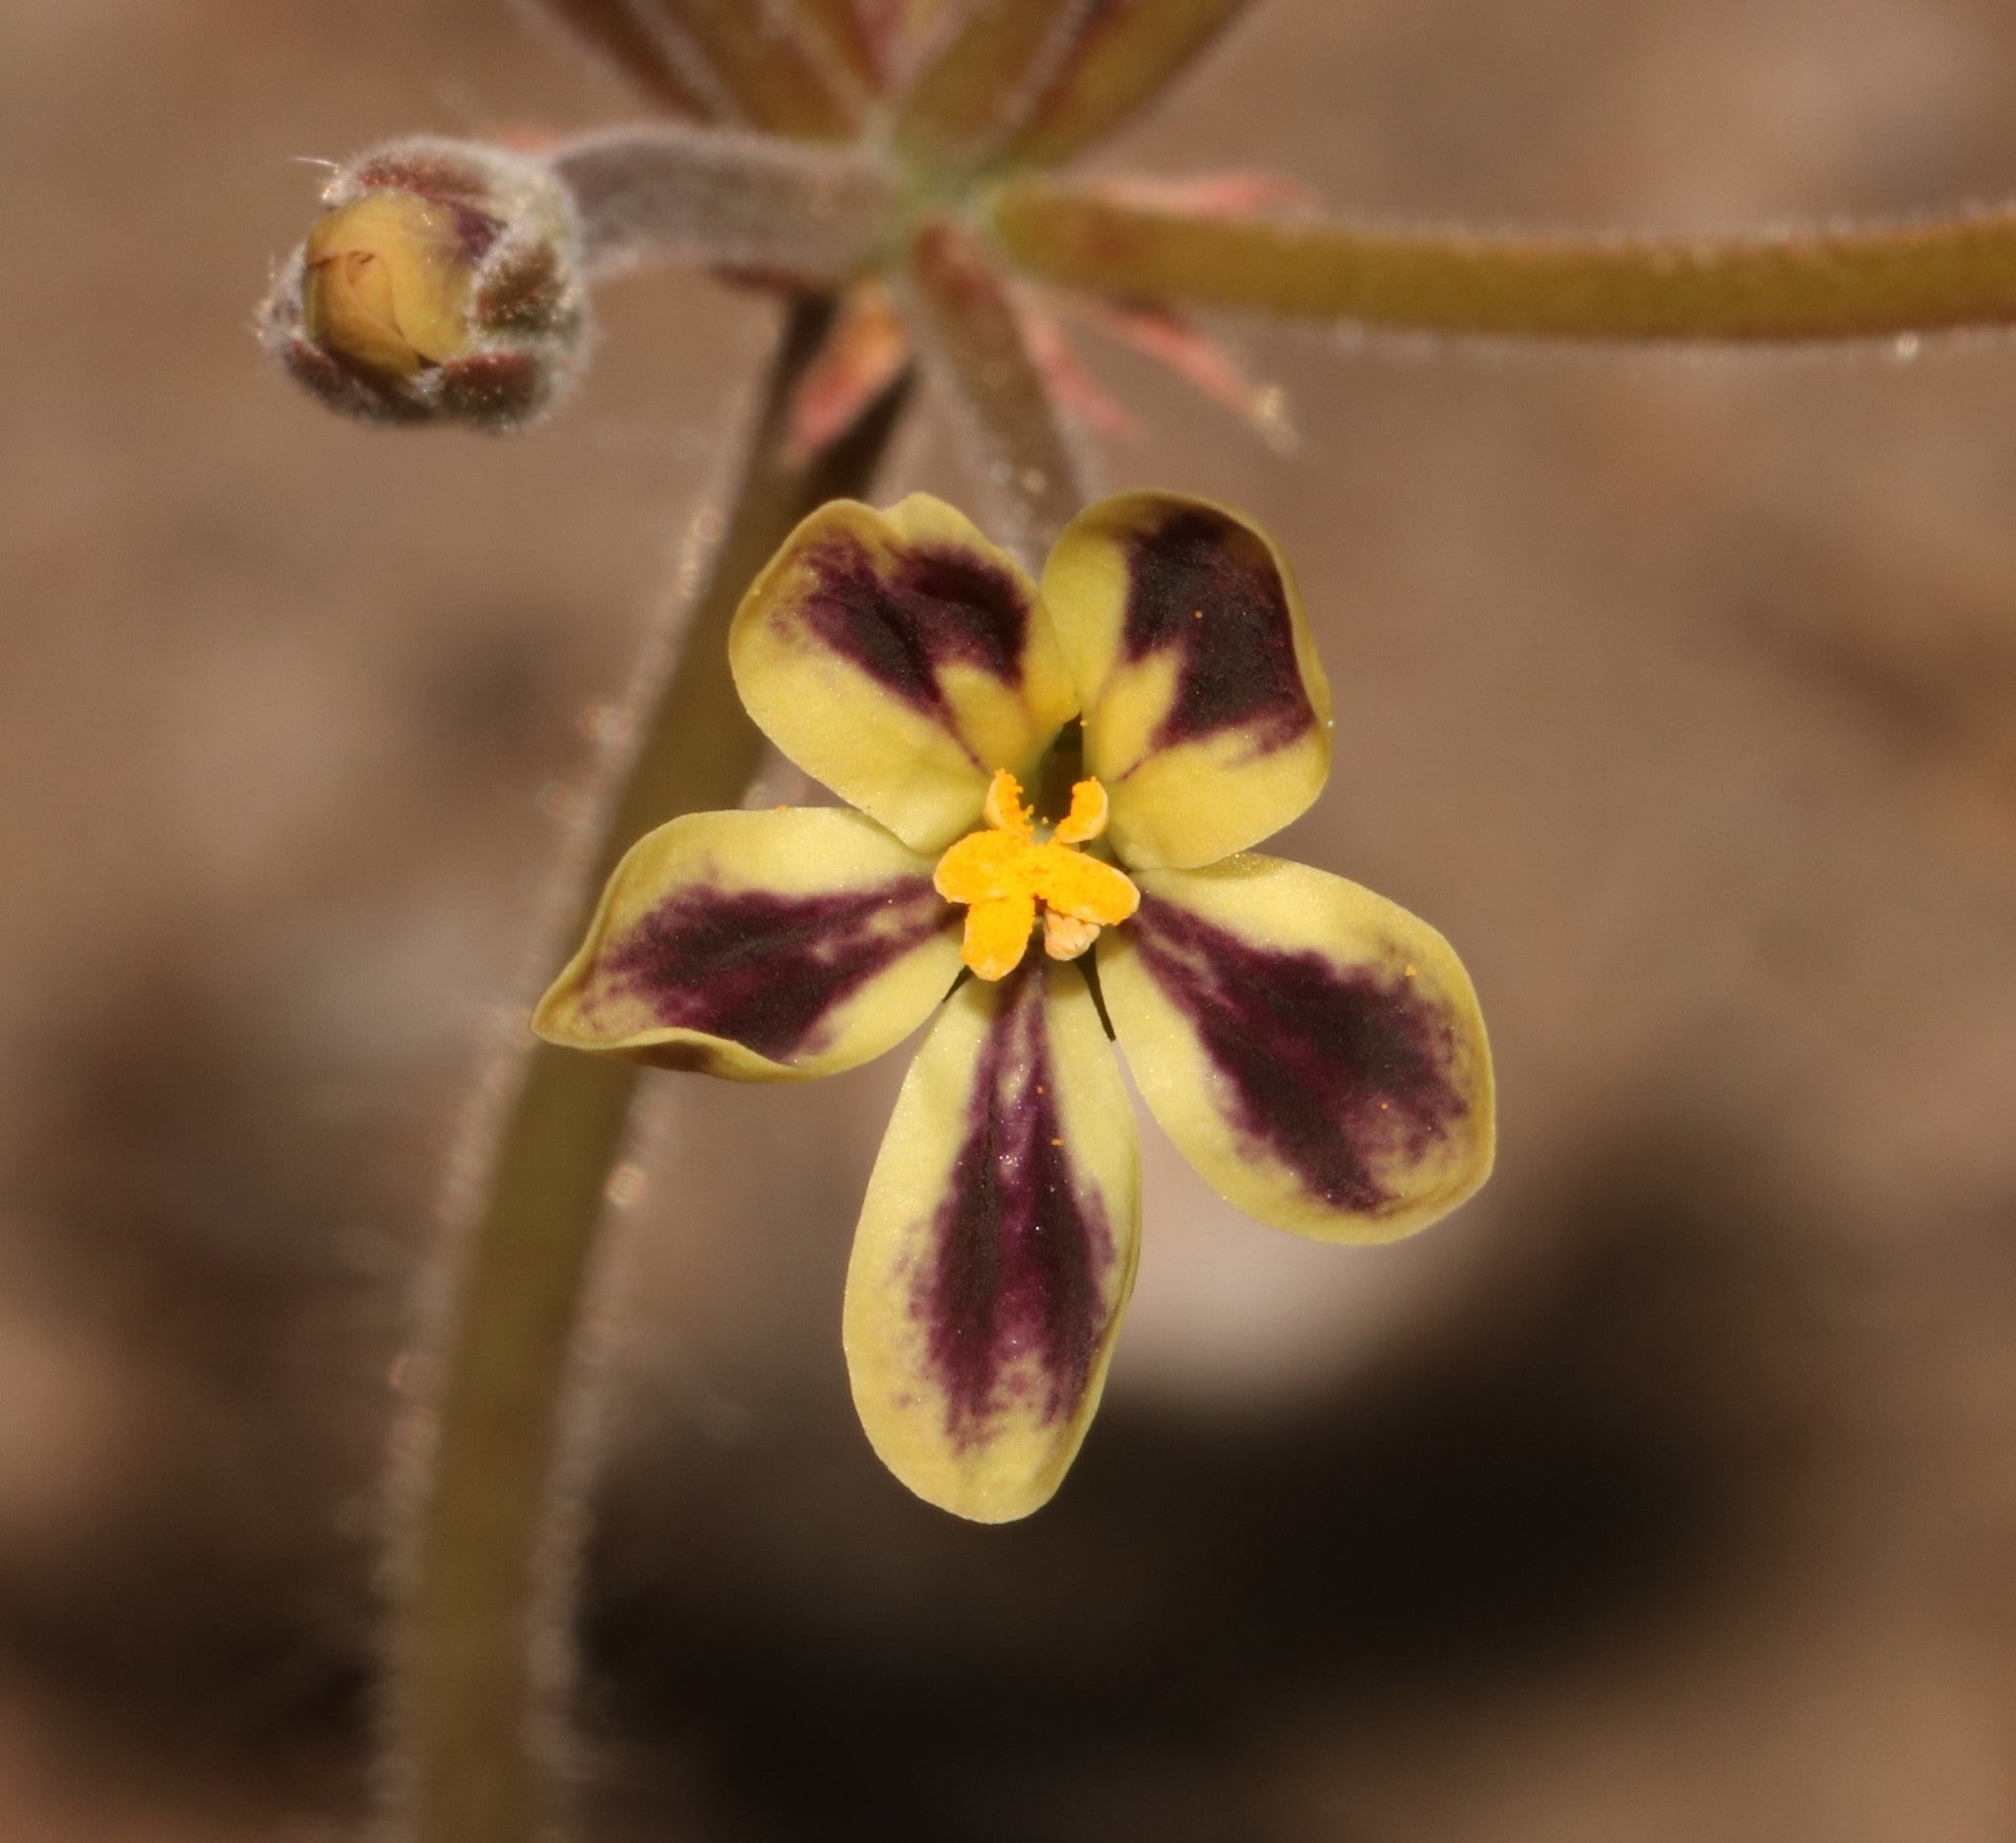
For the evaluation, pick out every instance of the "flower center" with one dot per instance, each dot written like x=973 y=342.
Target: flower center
x=1005 y=874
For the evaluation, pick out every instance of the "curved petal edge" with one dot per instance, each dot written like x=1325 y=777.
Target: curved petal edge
x=761 y=946
x=1207 y=714
x=1313 y=1049
x=900 y=659
x=996 y=1247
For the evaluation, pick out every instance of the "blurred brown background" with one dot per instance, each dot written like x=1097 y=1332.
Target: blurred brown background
x=1666 y=1493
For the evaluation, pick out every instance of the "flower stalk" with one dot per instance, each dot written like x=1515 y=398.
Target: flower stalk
x=479 y=1653
x=1862 y=282
x=677 y=192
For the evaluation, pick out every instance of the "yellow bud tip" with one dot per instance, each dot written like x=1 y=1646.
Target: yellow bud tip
x=387 y=283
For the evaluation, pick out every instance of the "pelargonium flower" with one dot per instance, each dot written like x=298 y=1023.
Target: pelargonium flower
x=1313 y=1049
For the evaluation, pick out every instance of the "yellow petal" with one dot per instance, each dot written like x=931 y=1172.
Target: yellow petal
x=1207 y=714
x=1313 y=1049
x=900 y=659
x=996 y=1247
x=388 y=282
x=763 y=946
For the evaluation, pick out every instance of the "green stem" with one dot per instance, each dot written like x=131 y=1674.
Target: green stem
x=1866 y=282
x=470 y=1700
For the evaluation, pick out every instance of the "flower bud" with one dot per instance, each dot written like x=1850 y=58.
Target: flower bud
x=443 y=282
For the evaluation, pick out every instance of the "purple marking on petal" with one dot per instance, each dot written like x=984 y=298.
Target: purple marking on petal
x=1236 y=666
x=1022 y=1252
x=1341 y=1076
x=904 y=620
x=767 y=971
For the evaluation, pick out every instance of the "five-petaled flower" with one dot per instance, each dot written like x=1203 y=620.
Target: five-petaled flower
x=1315 y=1052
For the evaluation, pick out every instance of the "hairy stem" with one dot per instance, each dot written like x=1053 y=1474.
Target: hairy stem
x=675 y=192
x=1865 y=281
x=479 y=1658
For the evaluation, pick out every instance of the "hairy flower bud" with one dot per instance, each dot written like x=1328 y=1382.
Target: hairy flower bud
x=443 y=282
